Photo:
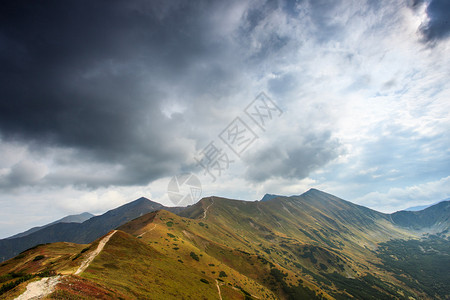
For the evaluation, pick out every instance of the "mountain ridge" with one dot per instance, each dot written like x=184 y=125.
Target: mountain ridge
x=309 y=246
x=422 y=207
x=99 y=225
x=79 y=218
x=84 y=232
x=436 y=216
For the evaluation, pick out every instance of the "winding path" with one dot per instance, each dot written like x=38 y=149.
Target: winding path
x=206 y=210
x=154 y=226
x=94 y=253
x=41 y=288
x=218 y=289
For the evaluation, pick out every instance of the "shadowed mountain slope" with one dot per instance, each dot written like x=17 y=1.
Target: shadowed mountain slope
x=435 y=218
x=80 y=218
x=84 y=232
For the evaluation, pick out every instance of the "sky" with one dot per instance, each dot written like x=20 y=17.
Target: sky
x=102 y=102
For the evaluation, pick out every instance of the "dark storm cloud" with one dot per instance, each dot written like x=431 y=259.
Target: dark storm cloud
x=438 y=26
x=74 y=71
x=92 y=76
x=295 y=160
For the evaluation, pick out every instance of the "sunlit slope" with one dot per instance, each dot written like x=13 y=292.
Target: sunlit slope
x=35 y=263
x=196 y=244
x=310 y=246
x=314 y=235
x=136 y=269
x=314 y=217
x=58 y=257
x=283 y=244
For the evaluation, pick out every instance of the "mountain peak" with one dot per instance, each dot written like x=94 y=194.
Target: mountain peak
x=313 y=190
x=141 y=199
x=268 y=197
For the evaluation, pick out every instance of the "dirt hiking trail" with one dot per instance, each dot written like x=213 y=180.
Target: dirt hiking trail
x=41 y=288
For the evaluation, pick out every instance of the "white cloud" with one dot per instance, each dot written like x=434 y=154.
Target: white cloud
x=356 y=71
x=400 y=198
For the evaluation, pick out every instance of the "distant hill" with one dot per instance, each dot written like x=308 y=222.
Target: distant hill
x=80 y=218
x=422 y=207
x=417 y=208
x=85 y=232
x=433 y=219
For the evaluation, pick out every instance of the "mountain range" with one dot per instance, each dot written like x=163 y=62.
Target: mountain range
x=84 y=232
x=80 y=218
x=310 y=246
x=422 y=207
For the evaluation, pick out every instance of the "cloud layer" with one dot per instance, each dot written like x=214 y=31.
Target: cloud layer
x=110 y=99
x=438 y=25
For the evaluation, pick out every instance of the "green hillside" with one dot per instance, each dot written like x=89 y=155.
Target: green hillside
x=311 y=246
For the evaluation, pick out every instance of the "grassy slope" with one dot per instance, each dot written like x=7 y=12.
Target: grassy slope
x=135 y=269
x=46 y=260
x=220 y=248
x=175 y=238
x=290 y=248
x=311 y=236
x=56 y=256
